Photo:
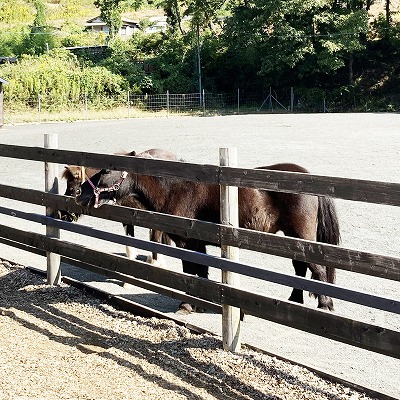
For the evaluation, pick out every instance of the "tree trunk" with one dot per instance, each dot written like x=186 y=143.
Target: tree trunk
x=351 y=74
x=387 y=12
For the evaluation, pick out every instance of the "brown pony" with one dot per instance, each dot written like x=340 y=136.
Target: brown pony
x=297 y=215
x=75 y=175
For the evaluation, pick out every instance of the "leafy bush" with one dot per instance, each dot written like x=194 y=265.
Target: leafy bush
x=15 y=11
x=59 y=80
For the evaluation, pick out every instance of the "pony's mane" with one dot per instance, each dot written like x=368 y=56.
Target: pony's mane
x=71 y=171
x=126 y=153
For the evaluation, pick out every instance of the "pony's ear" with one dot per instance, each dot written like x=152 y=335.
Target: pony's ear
x=66 y=173
x=132 y=153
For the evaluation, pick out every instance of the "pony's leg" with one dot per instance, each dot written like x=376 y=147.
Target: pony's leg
x=300 y=270
x=155 y=258
x=194 y=269
x=319 y=273
x=301 y=223
x=131 y=252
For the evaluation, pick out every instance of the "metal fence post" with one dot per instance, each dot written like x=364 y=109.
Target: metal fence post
x=86 y=107
x=291 y=99
x=238 y=101
x=39 y=109
x=230 y=216
x=51 y=185
x=129 y=105
x=167 y=103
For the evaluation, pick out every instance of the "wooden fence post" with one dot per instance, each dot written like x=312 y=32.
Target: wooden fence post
x=230 y=216
x=51 y=185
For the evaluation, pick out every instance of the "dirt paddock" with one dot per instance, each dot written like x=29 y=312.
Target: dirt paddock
x=51 y=352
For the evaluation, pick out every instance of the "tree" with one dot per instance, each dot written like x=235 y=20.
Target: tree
x=40 y=38
x=296 y=40
x=111 y=10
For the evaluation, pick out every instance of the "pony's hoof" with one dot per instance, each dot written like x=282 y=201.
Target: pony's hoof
x=185 y=308
x=152 y=261
x=326 y=307
x=325 y=303
x=132 y=255
x=127 y=285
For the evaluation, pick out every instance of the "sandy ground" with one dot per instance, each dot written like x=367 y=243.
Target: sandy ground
x=62 y=343
x=362 y=146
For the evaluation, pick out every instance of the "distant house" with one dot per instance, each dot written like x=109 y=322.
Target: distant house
x=10 y=60
x=157 y=24
x=127 y=29
x=1 y=102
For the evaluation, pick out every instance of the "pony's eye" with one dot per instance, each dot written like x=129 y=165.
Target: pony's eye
x=78 y=192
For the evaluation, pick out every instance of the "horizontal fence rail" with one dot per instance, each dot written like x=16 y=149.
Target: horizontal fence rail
x=279 y=181
x=366 y=299
x=325 y=324
x=347 y=259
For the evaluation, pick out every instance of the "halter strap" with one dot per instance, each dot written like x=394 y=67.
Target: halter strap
x=83 y=174
x=113 y=188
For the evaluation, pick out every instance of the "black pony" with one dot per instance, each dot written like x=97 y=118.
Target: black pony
x=297 y=215
x=76 y=174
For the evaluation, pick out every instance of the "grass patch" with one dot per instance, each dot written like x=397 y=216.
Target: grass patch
x=79 y=114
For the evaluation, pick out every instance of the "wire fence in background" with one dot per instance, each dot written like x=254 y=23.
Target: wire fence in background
x=284 y=100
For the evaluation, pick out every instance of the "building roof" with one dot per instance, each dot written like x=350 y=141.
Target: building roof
x=97 y=21
x=8 y=59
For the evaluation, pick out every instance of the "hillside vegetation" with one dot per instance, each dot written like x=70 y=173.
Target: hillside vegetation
x=345 y=51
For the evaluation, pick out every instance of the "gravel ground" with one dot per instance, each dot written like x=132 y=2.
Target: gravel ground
x=59 y=343
x=362 y=146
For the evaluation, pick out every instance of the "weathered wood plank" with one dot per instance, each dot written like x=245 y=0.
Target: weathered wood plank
x=292 y=182
x=387 y=267
x=313 y=286
x=157 y=167
x=296 y=182
x=322 y=323
x=323 y=254
x=21 y=246
x=51 y=185
x=229 y=215
x=325 y=324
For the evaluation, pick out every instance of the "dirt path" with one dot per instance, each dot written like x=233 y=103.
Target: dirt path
x=59 y=343
x=363 y=146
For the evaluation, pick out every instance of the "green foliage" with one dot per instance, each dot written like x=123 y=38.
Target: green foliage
x=123 y=60
x=41 y=37
x=59 y=80
x=110 y=12
x=15 y=11
x=77 y=37
x=274 y=42
x=12 y=42
x=260 y=43
x=175 y=63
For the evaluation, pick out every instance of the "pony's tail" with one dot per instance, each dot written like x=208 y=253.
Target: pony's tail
x=328 y=229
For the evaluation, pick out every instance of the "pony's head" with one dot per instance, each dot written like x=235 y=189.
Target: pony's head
x=104 y=187
x=74 y=175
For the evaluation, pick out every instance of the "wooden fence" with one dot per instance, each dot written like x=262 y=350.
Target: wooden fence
x=207 y=293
